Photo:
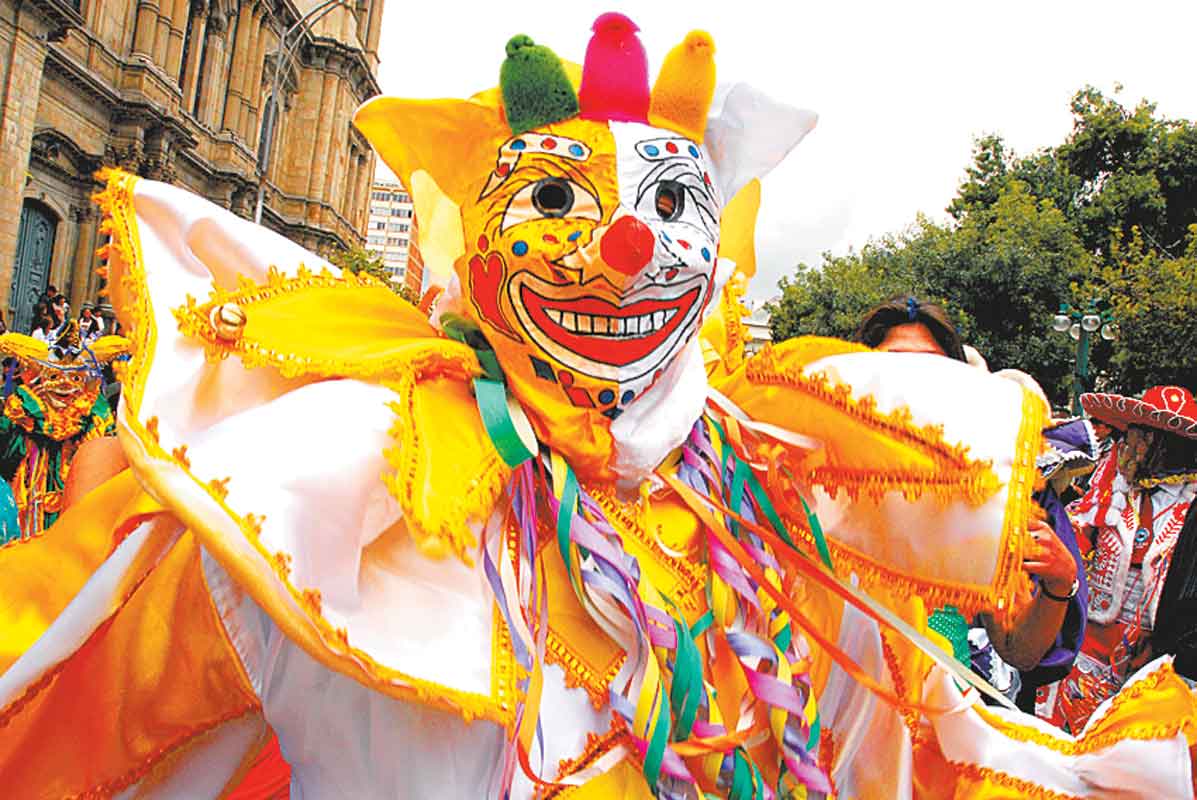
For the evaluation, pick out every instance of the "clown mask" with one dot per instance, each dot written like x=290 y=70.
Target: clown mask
x=591 y=214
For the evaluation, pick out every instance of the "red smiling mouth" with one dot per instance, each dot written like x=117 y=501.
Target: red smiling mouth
x=599 y=330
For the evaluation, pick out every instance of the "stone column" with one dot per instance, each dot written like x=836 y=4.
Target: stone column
x=365 y=183
x=162 y=32
x=252 y=98
x=322 y=133
x=195 y=55
x=176 y=29
x=83 y=279
x=211 y=89
x=349 y=185
x=236 y=75
x=374 y=29
x=338 y=144
x=26 y=55
x=146 y=30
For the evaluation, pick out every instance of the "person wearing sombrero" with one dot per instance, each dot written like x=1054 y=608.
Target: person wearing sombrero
x=1138 y=521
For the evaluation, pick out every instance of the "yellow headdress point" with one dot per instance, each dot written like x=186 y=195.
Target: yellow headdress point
x=682 y=94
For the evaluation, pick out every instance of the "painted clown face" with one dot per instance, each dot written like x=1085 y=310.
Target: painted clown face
x=582 y=213
x=596 y=251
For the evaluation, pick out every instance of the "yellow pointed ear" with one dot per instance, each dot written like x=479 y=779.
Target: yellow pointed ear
x=685 y=86
x=454 y=141
x=737 y=228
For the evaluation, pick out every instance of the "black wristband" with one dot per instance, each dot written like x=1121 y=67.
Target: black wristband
x=1076 y=585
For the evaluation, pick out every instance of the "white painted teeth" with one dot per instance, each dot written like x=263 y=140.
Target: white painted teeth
x=611 y=326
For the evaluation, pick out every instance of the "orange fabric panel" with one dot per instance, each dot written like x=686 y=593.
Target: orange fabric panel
x=43 y=575
x=154 y=675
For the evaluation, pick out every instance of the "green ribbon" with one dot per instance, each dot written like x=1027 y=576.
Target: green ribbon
x=686 y=691
x=496 y=417
x=467 y=332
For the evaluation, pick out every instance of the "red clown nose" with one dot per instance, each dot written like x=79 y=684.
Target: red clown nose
x=615 y=75
x=627 y=245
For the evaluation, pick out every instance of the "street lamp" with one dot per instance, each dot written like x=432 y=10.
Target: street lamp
x=283 y=55
x=1079 y=324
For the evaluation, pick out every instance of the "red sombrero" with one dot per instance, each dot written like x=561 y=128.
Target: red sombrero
x=1167 y=408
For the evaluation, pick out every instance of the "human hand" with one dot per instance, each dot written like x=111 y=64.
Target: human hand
x=1049 y=559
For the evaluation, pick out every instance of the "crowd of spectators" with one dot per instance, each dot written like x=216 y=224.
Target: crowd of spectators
x=53 y=312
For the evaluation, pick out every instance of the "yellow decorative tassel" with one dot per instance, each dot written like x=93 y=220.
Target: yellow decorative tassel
x=682 y=94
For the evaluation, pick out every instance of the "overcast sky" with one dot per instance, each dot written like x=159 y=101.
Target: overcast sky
x=901 y=89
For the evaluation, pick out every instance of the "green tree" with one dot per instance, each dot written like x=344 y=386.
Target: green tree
x=1154 y=299
x=360 y=260
x=1110 y=213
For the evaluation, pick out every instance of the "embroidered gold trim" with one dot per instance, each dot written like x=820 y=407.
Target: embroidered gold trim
x=116 y=203
x=1089 y=744
x=970 y=599
x=910 y=717
x=194 y=320
x=596 y=747
x=1009 y=575
x=1024 y=788
x=733 y=322
x=579 y=673
x=690 y=576
x=435 y=537
x=1167 y=480
x=110 y=788
x=955 y=474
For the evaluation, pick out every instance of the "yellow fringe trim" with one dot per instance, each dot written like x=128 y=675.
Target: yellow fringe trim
x=690 y=575
x=116 y=203
x=955 y=474
x=733 y=323
x=970 y=599
x=194 y=321
x=1090 y=744
x=435 y=536
x=1017 y=786
x=595 y=748
x=1020 y=508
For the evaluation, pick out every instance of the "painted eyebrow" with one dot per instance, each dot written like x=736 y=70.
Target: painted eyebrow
x=528 y=173
x=682 y=170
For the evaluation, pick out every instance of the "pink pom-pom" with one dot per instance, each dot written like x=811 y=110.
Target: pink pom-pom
x=615 y=75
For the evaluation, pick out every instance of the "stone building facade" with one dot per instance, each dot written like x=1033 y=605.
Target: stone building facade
x=176 y=90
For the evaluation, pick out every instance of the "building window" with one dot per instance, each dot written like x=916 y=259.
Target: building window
x=379 y=225
x=402 y=227
x=401 y=212
x=380 y=211
x=376 y=240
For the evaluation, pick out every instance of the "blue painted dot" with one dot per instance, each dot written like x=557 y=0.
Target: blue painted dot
x=627 y=397
x=518 y=144
x=706 y=254
x=576 y=150
x=665 y=236
x=573 y=237
x=651 y=149
x=694 y=151
x=606 y=396
x=520 y=248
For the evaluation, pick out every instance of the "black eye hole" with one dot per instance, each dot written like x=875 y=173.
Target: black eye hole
x=671 y=200
x=553 y=197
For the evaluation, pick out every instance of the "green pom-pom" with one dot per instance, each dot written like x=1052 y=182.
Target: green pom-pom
x=536 y=90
